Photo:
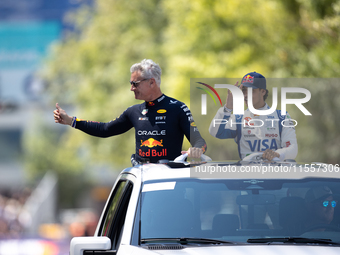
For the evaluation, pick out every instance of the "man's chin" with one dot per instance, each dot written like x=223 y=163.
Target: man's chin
x=138 y=98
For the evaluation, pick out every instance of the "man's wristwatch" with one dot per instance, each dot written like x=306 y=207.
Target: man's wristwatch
x=226 y=109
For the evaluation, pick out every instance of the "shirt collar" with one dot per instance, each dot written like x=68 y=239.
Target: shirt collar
x=155 y=102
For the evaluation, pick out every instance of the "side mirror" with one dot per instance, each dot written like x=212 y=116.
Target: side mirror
x=93 y=243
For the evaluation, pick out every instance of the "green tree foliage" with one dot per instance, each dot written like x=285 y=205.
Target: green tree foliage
x=91 y=69
x=191 y=39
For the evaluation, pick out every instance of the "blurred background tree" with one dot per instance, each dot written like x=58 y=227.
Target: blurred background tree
x=88 y=72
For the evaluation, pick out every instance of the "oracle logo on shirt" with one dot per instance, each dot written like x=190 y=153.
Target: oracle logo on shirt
x=151 y=133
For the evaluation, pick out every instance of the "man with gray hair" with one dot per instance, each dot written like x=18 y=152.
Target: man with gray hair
x=160 y=122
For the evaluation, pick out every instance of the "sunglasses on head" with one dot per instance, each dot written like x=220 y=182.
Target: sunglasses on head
x=326 y=203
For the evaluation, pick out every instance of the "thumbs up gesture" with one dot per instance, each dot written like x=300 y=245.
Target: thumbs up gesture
x=61 y=117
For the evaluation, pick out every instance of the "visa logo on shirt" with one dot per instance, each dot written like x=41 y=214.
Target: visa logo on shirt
x=262 y=145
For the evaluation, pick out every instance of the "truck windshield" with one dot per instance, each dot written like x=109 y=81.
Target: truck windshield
x=239 y=210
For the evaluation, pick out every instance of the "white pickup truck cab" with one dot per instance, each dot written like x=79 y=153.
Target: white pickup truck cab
x=219 y=208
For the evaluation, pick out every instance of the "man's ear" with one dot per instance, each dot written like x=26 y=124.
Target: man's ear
x=152 y=82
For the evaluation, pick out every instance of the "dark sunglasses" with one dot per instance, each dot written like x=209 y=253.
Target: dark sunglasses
x=136 y=83
x=326 y=203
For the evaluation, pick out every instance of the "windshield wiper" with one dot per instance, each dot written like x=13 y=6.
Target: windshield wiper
x=185 y=240
x=292 y=240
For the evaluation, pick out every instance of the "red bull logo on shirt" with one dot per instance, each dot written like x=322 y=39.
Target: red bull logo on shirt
x=151 y=143
x=153 y=153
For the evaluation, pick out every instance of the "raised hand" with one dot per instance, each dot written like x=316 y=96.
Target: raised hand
x=61 y=117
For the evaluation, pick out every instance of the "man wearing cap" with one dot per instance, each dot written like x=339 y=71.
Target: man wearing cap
x=269 y=137
x=320 y=206
x=160 y=122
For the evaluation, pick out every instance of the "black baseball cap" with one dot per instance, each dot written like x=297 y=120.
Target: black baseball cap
x=254 y=80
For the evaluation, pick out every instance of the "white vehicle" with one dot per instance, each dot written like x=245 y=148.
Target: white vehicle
x=219 y=208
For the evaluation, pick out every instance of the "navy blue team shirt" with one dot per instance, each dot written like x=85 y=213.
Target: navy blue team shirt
x=159 y=125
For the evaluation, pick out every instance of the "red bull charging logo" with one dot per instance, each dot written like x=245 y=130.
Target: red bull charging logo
x=248 y=79
x=151 y=143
